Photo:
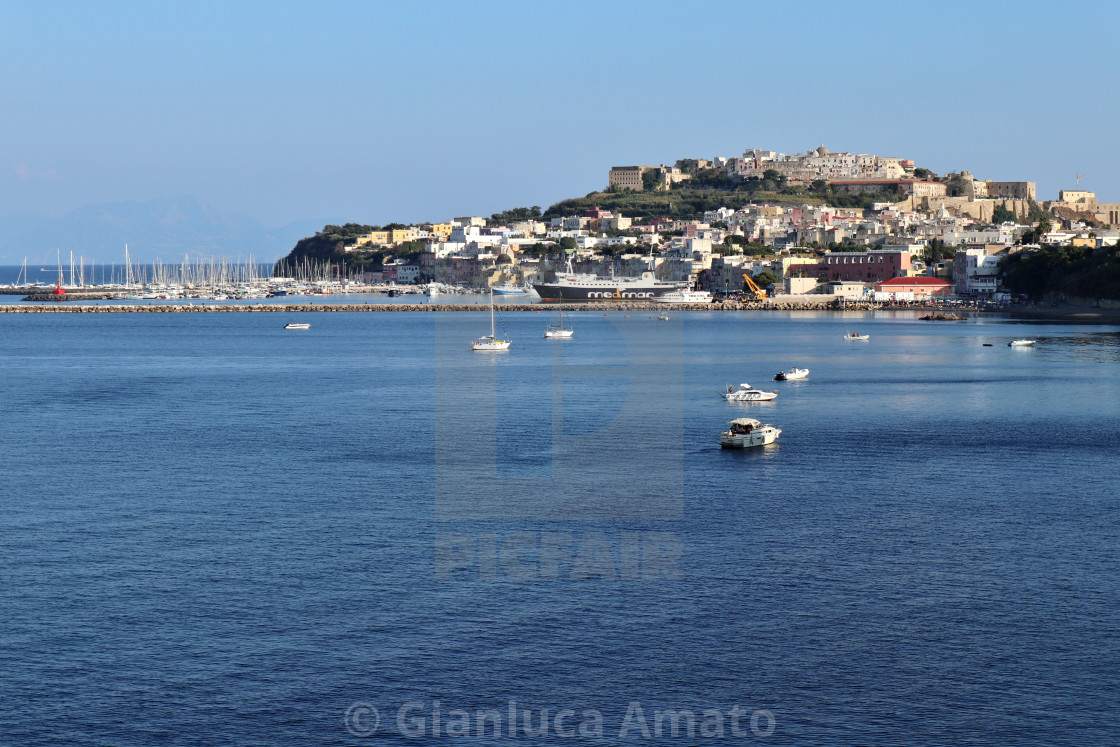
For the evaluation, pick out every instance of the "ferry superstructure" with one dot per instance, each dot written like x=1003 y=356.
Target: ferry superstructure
x=581 y=286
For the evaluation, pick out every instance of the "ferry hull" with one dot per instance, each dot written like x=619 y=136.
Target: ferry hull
x=575 y=294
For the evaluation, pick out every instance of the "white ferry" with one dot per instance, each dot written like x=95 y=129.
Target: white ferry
x=581 y=286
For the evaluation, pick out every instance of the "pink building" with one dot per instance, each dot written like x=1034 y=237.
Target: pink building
x=920 y=287
x=863 y=267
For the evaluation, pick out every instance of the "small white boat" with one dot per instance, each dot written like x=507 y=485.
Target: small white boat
x=792 y=375
x=663 y=317
x=746 y=393
x=1024 y=343
x=684 y=296
x=297 y=325
x=490 y=342
x=857 y=336
x=558 y=331
x=747 y=432
x=508 y=289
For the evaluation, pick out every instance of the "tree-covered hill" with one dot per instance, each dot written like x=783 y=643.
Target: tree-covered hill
x=1075 y=271
x=328 y=245
x=687 y=201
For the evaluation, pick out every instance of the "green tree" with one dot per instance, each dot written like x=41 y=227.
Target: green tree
x=1035 y=213
x=936 y=251
x=650 y=179
x=764 y=279
x=1002 y=214
x=568 y=245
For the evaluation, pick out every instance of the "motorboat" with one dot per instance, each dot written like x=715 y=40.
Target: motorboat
x=792 y=375
x=297 y=325
x=684 y=296
x=747 y=393
x=747 y=432
x=509 y=289
x=558 y=331
x=857 y=336
x=490 y=342
x=663 y=317
x=1024 y=343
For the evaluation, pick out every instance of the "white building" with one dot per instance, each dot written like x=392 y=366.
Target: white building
x=975 y=272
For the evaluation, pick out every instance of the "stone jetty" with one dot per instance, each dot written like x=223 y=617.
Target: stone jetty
x=773 y=304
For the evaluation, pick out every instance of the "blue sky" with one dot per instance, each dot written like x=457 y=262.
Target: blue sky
x=425 y=110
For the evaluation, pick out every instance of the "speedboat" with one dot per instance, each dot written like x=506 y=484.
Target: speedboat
x=856 y=336
x=792 y=375
x=1024 y=343
x=490 y=342
x=746 y=393
x=663 y=317
x=297 y=325
x=747 y=432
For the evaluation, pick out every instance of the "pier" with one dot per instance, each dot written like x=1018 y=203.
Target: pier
x=774 y=304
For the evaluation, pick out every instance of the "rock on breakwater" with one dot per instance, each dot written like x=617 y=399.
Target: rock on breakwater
x=158 y=308
x=769 y=304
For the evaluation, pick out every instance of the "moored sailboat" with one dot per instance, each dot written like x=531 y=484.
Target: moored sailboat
x=558 y=331
x=491 y=342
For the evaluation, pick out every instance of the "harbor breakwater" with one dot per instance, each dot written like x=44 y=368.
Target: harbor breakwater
x=199 y=308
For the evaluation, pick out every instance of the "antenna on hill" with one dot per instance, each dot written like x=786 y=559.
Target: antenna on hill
x=1079 y=178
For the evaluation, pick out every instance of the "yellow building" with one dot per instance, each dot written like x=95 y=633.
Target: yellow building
x=1077 y=196
x=627 y=177
x=1013 y=190
x=442 y=230
x=374 y=238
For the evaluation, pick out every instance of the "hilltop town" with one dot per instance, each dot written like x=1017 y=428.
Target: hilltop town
x=817 y=222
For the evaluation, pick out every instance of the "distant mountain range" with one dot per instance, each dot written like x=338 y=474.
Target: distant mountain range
x=165 y=229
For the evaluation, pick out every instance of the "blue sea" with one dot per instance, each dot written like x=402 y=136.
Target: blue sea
x=215 y=531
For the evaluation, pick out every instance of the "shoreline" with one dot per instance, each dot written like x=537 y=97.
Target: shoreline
x=1055 y=313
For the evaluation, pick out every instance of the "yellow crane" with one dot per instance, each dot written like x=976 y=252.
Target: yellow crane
x=752 y=286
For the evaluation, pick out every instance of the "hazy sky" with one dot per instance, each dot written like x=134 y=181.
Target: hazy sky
x=422 y=110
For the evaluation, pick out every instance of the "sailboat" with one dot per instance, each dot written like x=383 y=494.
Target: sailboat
x=558 y=331
x=491 y=342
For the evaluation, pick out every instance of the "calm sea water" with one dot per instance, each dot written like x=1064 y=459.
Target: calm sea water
x=218 y=532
